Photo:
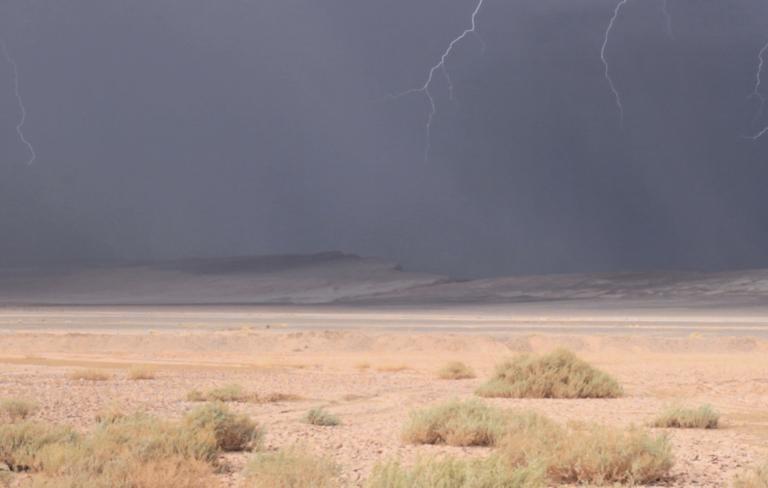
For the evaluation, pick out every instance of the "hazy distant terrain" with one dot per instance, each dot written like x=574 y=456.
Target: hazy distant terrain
x=344 y=279
x=311 y=279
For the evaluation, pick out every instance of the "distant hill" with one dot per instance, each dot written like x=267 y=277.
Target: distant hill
x=640 y=289
x=286 y=279
x=338 y=278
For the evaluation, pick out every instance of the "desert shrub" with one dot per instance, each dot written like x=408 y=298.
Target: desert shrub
x=559 y=374
x=228 y=393
x=280 y=397
x=111 y=414
x=149 y=438
x=456 y=423
x=754 y=477
x=703 y=417
x=594 y=454
x=127 y=471
x=290 y=468
x=137 y=373
x=16 y=409
x=492 y=472
x=195 y=396
x=178 y=472
x=233 y=432
x=22 y=443
x=89 y=375
x=455 y=370
x=133 y=451
x=318 y=416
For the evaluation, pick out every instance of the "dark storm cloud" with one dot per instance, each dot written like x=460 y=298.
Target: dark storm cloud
x=174 y=128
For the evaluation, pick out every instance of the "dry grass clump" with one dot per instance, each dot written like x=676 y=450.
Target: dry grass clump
x=492 y=472
x=111 y=414
x=228 y=393
x=290 y=468
x=704 y=417
x=90 y=375
x=136 y=452
x=456 y=423
x=232 y=432
x=16 y=409
x=595 y=455
x=280 y=397
x=559 y=374
x=455 y=370
x=21 y=444
x=754 y=477
x=126 y=451
x=138 y=373
x=236 y=394
x=318 y=416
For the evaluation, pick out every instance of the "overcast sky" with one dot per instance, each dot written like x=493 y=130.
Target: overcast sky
x=171 y=128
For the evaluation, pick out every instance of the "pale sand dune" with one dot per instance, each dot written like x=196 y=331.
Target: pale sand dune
x=372 y=377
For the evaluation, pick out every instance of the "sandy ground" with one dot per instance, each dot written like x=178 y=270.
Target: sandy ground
x=373 y=377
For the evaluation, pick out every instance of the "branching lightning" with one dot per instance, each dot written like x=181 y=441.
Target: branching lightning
x=22 y=107
x=757 y=91
x=606 y=37
x=425 y=89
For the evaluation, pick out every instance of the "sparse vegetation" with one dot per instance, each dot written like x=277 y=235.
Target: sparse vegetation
x=137 y=451
x=22 y=444
x=290 y=468
x=280 y=397
x=16 y=409
x=318 y=416
x=138 y=373
x=559 y=374
x=455 y=370
x=127 y=451
x=754 y=477
x=228 y=393
x=595 y=455
x=703 y=417
x=90 y=375
x=456 y=423
x=233 y=432
x=236 y=394
x=196 y=396
x=492 y=472
x=111 y=414
x=530 y=449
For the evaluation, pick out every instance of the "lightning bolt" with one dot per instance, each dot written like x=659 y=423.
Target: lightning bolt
x=22 y=108
x=441 y=66
x=667 y=18
x=756 y=91
x=606 y=37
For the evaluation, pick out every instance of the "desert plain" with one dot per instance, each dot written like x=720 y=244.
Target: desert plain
x=375 y=366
